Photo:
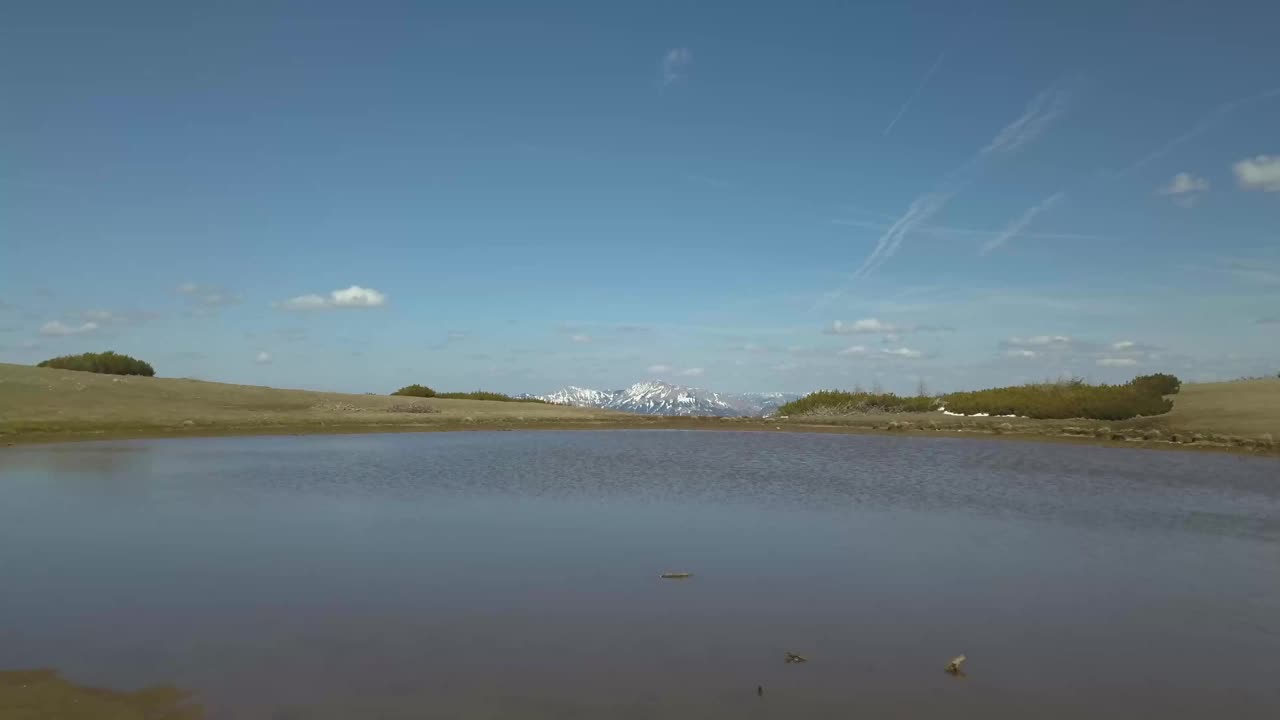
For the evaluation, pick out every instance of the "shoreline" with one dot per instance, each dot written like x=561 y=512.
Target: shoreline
x=832 y=426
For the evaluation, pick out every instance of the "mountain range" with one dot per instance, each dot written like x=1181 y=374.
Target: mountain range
x=655 y=397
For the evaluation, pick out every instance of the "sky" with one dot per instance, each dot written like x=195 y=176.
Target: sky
x=744 y=197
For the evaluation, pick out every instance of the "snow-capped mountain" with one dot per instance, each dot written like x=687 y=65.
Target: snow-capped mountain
x=660 y=398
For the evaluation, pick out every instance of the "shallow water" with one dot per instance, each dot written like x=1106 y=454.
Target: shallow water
x=515 y=575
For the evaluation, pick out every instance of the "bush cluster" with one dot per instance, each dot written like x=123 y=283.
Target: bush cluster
x=415 y=391
x=108 y=363
x=840 y=402
x=1157 y=384
x=1061 y=400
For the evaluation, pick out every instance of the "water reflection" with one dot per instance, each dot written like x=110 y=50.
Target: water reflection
x=518 y=575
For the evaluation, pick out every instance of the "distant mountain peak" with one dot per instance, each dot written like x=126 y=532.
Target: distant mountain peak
x=659 y=397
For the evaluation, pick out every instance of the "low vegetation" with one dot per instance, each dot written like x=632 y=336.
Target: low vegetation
x=839 y=402
x=107 y=363
x=415 y=391
x=45 y=694
x=426 y=392
x=486 y=395
x=1062 y=400
x=1143 y=396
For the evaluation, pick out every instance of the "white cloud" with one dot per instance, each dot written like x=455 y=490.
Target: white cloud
x=263 y=358
x=1124 y=345
x=580 y=338
x=675 y=65
x=912 y=98
x=1183 y=183
x=1021 y=222
x=902 y=352
x=658 y=369
x=352 y=297
x=58 y=329
x=1117 y=362
x=1020 y=353
x=1259 y=173
x=98 y=316
x=854 y=350
x=692 y=372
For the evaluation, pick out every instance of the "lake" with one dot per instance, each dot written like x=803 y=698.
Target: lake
x=516 y=575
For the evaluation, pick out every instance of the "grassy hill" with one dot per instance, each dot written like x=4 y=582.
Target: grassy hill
x=52 y=403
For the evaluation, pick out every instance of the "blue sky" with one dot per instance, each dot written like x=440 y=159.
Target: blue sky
x=780 y=196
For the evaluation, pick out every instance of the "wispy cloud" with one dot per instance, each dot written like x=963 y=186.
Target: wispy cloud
x=1033 y=121
x=692 y=372
x=1021 y=222
x=1259 y=173
x=915 y=93
x=1117 y=362
x=55 y=328
x=1217 y=115
x=207 y=297
x=675 y=65
x=351 y=297
x=1020 y=353
x=875 y=326
x=854 y=350
x=263 y=358
x=1039 y=113
x=903 y=352
x=947 y=230
x=580 y=338
x=658 y=369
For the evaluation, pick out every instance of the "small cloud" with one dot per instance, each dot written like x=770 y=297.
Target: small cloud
x=1039 y=341
x=352 y=297
x=58 y=329
x=1259 y=173
x=207 y=297
x=629 y=329
x=1124 y=345
x=99 y=316
x=675 y=65
x=861 y=327
x=1020 y=353
x=902 y=352
x=1184 y=183
x=580 y=338
x=263 y=358
x=658 y=369
x=854 y=350
x=456 y=335
x=692 y=372
x=1117 y=362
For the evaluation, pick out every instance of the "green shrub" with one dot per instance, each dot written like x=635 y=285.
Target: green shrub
x=1157 y=384
x=415 y=391
x=1061 y=401
x=840 y=402
x=108 y=363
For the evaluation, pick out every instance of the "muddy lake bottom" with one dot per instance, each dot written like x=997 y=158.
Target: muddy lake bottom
x=517 y=575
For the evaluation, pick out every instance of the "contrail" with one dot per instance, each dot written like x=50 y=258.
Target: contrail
x=907 y=105
x=1208 y=121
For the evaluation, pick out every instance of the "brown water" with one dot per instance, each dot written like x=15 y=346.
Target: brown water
x=515 y=575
